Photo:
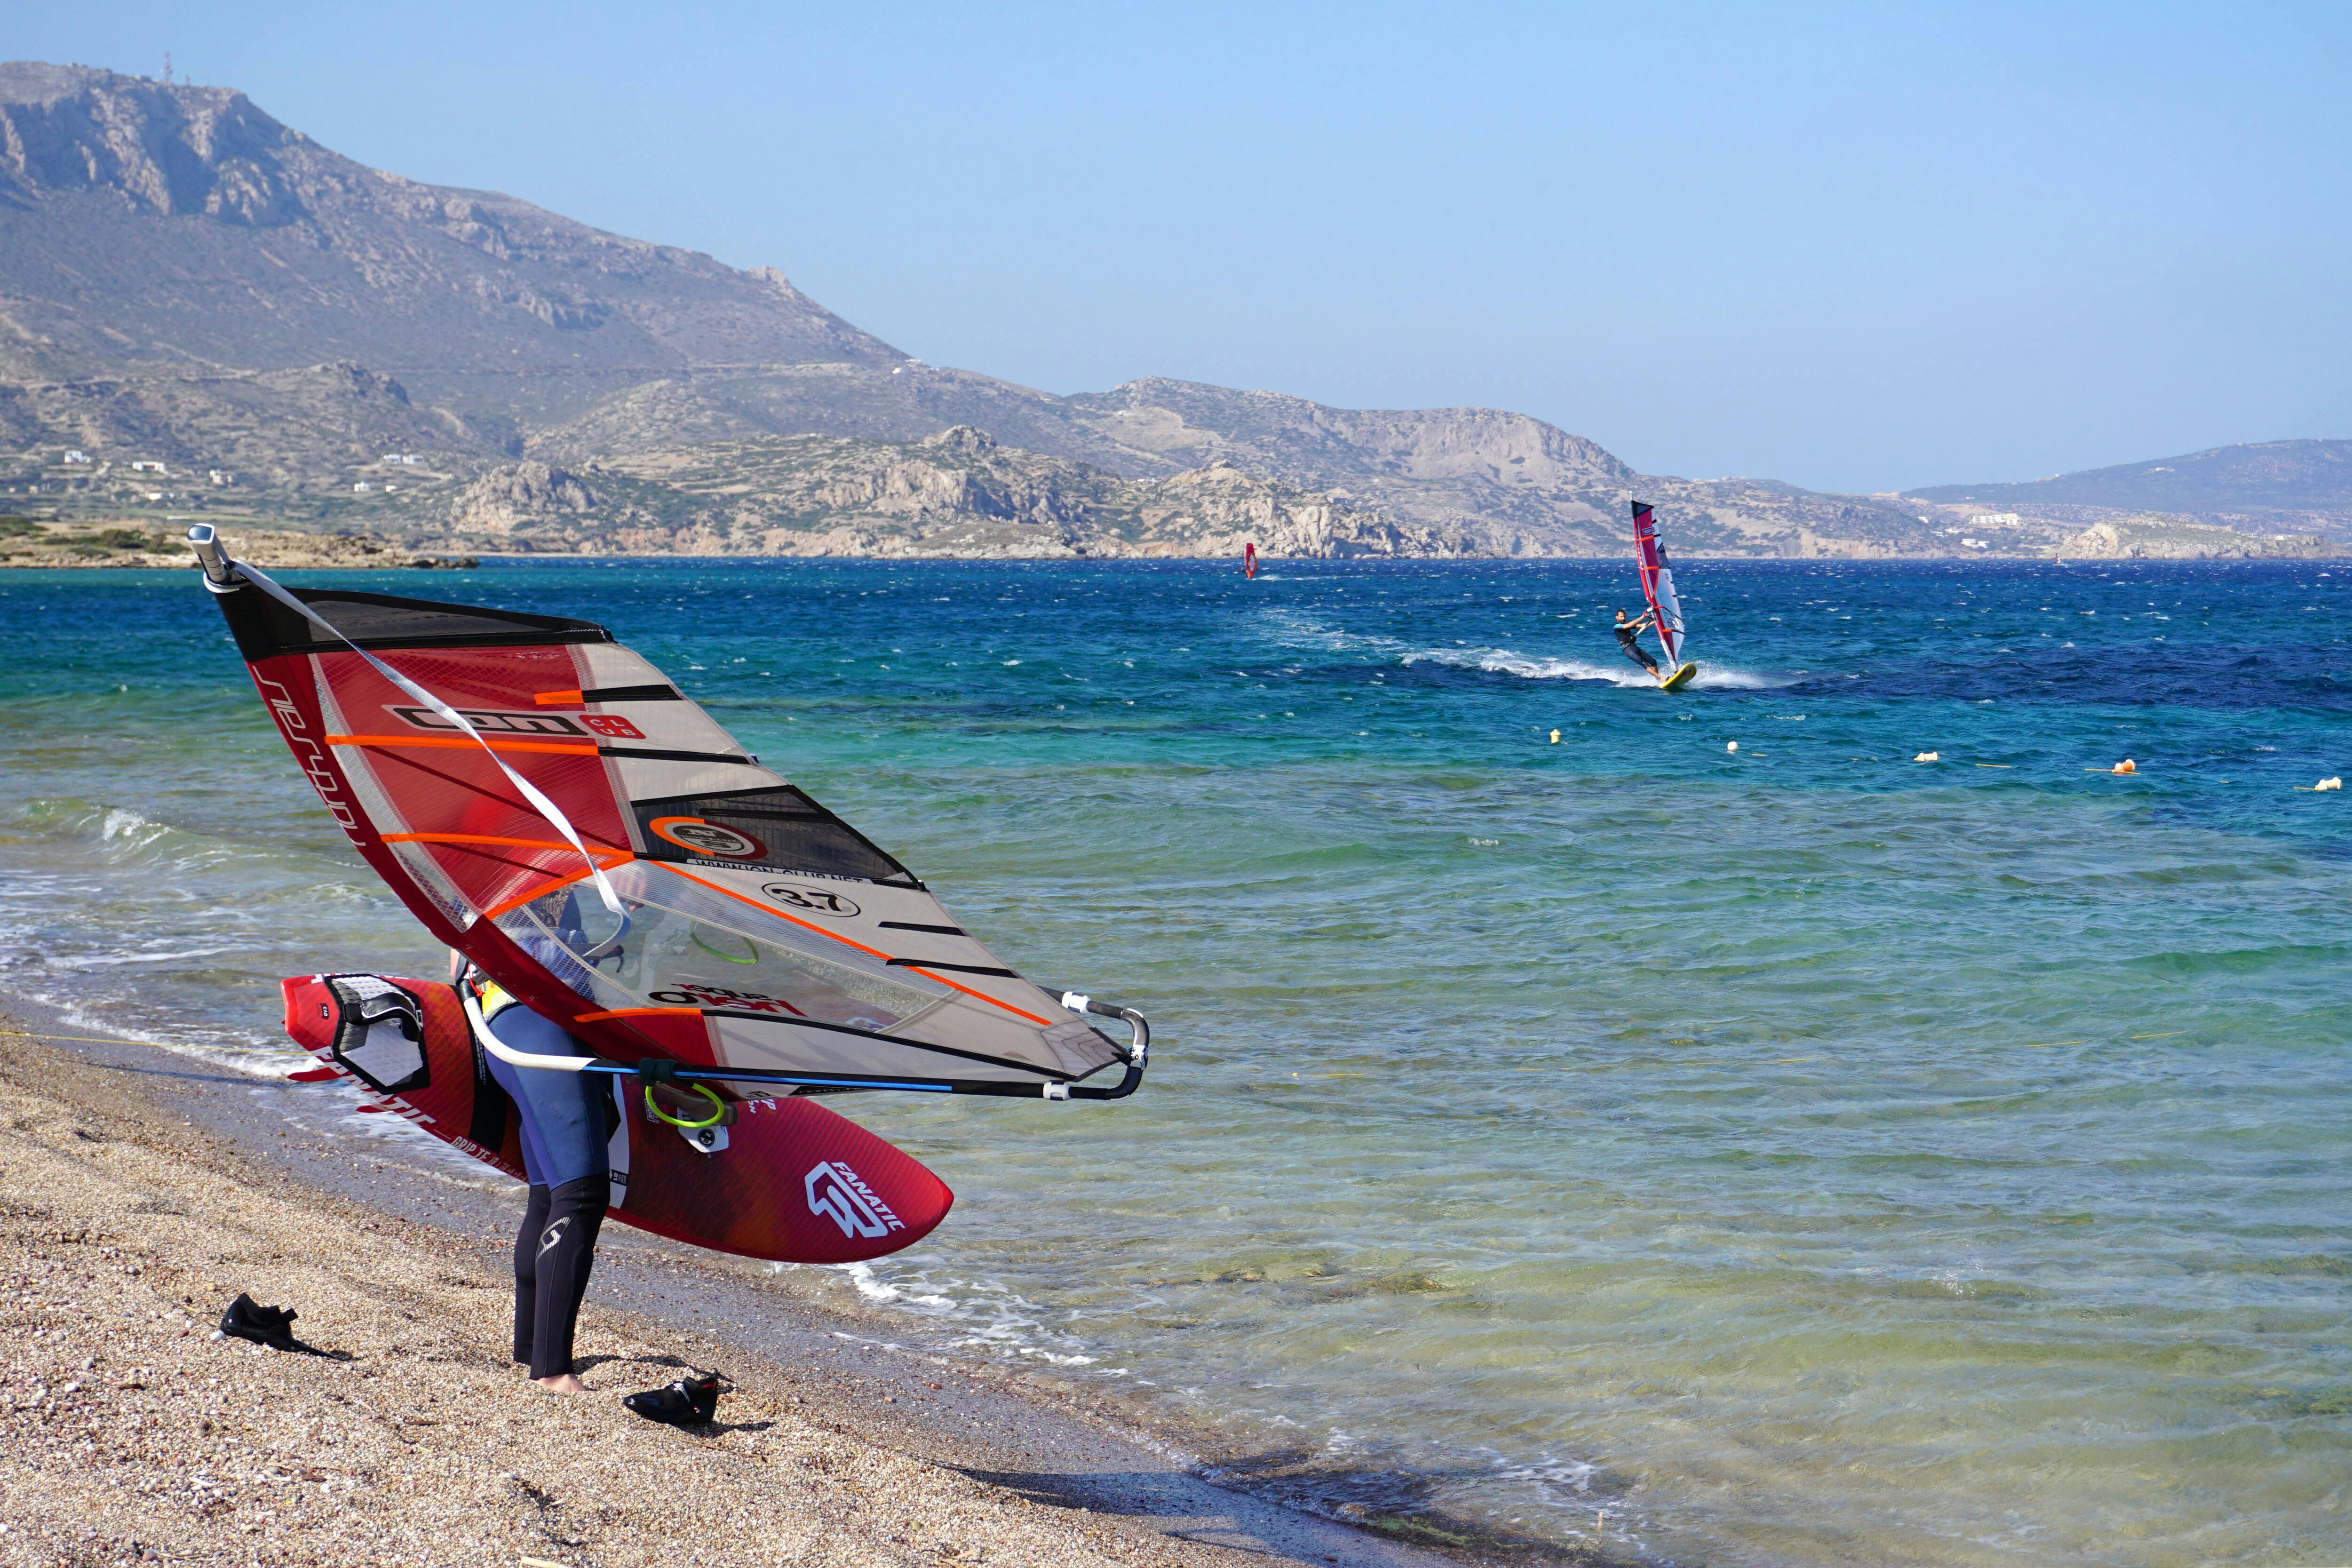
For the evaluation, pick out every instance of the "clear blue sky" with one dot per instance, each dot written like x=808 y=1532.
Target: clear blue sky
x=1851 y=246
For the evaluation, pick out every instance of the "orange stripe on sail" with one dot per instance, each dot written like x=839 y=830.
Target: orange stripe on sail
x=848 y=941
x=634 y=1013
x=519 y=899
x=620 y=856
x=981 y=996
x=545 y=697
x=463 y=740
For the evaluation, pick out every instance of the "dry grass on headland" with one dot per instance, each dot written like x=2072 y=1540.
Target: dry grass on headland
x=128 y=1434
x=74 y=546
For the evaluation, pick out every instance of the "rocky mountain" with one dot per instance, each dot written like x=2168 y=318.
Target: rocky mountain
x=204 y=311
x=958 y=492
x=2266 y=487
x=1514 y=485
x=151 y=228
x=1519 y=485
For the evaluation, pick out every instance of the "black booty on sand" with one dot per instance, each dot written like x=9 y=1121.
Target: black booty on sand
x=689 y=1402
x=271 y=1326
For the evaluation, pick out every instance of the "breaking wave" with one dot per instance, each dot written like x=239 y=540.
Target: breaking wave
x=1302 y=632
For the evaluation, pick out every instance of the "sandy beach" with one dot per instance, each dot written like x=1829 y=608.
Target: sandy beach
x=139 y=1198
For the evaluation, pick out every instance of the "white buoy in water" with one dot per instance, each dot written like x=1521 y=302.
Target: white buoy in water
x=1929 y=757
x=1731 y=746
x=1554 y=737
x=2329 y=783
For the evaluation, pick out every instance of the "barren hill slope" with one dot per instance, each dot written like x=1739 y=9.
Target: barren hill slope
x=147 y=228
x=958 y=492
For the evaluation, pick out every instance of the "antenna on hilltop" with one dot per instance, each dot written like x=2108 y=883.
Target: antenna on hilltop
x=167 y=68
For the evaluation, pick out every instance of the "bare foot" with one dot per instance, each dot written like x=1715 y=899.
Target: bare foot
x=561 y=1383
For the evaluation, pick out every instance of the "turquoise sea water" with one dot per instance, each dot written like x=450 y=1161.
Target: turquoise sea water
x=1802 y=1153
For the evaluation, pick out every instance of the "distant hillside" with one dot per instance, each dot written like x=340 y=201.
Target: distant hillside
x=204 y=312
x=146 y=227
x=2268 y=486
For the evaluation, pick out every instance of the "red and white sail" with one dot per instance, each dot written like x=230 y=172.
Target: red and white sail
x=1658 y=583
x=597 y=845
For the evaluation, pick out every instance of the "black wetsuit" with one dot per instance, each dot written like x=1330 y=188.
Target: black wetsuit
x=563 y=1154
x=1626 y=632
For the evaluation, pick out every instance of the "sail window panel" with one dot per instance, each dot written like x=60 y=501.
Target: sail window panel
x=974 y=1026
x=746 y=1043
x=688 y=947
x=556 y=931
x=680 y=961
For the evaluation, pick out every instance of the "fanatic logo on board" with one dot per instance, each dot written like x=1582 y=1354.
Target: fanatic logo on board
x=842 y=1196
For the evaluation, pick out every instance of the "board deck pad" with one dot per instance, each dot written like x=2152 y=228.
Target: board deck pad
x=788 y=1181
x=1680 y=678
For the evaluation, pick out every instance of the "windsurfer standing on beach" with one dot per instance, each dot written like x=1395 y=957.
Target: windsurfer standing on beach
x=564 y=1156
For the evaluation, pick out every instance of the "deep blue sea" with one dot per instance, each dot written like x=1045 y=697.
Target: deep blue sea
x=1709 y=1130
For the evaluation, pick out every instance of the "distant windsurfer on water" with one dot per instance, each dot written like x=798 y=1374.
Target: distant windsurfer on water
x=1627 y=631
x=1249 y=558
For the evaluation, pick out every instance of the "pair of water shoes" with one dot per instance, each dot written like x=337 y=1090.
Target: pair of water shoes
x=689 y=1402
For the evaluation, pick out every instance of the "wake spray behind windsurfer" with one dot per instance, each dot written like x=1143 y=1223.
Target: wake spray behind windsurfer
x=1628 y=632
x=562 y=1115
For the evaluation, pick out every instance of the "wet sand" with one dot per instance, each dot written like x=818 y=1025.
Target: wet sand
x=141 y=1190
